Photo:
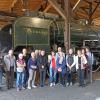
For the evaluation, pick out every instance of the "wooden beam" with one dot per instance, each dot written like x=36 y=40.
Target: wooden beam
x=47 y=8
x=95 y=9
x=67 y=33
x=84 y=9
x=77 y=5
x=13 y=3
x=57 y=8
x=87 y=1
x=38 y=7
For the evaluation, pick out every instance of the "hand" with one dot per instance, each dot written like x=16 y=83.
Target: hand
x=59 y=70
x=42 y=66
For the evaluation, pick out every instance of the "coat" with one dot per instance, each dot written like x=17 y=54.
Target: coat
x=42 y=61
x=62 y=66
x=83 y=61
x=7 y=62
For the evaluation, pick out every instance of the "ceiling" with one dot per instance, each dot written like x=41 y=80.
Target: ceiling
x=11 y=9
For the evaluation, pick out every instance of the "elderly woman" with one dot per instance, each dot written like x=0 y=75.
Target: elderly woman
x=32 y=66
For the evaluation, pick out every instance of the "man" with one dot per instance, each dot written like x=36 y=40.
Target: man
x=10 y=62
x=42 y=64
x=90 y=59
x=26 y=74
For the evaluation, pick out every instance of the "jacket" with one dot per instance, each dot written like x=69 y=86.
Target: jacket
x=62 y=66
x=32 y=63
x=42 y=61
x=7 y=62
x=83 y=61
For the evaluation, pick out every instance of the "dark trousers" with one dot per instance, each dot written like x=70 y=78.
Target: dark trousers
x=80 y=73
x=61 y=78
x=10 y=78
x=42 y=78
x=70 y=77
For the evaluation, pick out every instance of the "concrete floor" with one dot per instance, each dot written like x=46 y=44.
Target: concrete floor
x=90 y=92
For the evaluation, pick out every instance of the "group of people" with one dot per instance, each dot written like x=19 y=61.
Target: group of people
x=66 y=66
x=62 y=68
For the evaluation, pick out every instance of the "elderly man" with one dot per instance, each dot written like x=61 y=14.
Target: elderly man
x=10 y=62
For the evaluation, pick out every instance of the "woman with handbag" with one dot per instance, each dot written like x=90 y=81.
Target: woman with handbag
x=32 y=66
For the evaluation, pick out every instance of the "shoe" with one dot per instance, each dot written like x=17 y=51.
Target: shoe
x=34 y=86
x=71 y=84
x=23 y=88
x=18 y=89
x=29 y=88
x=51 y=84
x=54 y=84
x=67 y=84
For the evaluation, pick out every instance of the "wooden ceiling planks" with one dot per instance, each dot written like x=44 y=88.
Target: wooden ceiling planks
x=18 y=7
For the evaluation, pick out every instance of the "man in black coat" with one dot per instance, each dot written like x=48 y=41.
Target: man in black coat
x=42 y=64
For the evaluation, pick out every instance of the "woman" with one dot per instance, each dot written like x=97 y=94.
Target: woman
x=61 y=68
x=32 y=66
x=80 y=62
x=70 y=62
x=20 y=72
x=52 y=69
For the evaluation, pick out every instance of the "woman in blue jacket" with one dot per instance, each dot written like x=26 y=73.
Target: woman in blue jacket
x=32 y=66
x=61 y=68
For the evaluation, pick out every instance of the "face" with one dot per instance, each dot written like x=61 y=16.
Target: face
x=10 y=52
x=87 y=50
x=33 y=54
x=52 y=53
x=83 y=51
x=24 y=51
x=36 y=52
x=79 y=52
x=39 y=52
x=70 y=51
x=59 y=49
x=20 y=56
x=42 y=53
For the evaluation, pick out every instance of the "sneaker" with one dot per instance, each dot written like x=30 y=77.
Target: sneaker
x=71 y=84
x=51 y=84
x=18 y=89
x=23 y=88
x=34 y=86
x=67 y=84
x=29 y=88
x=54 y=84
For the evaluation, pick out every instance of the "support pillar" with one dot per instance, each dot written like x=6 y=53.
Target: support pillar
x=67 y=41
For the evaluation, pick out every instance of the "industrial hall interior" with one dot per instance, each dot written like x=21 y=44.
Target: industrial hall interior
x=50 y=49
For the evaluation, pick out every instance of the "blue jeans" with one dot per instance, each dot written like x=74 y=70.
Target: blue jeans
x=81 y=76
x=42 y=78
x=52 y=75
x=20 y=79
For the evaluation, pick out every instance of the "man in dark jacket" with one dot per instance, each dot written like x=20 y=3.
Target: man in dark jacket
x=42 y=64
